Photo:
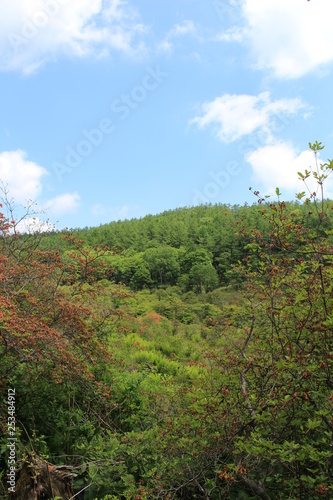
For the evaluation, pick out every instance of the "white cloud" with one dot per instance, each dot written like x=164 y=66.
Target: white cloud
x=289 y=38
x=232 y=35
x=35 y=31
x=63 y=204
x=23 y=177
x=276 y=165
x=33 y=225
x=177 y=31
x=165 y=46
x=187 y=28
x=235 y=116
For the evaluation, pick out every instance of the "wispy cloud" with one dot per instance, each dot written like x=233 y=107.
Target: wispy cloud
x=63 y=204
x=34 y=32
x=231 y=35
x=186 y=28
x=175 y=33
x=235 y=116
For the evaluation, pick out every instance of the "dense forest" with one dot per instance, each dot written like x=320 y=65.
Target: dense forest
x=183 y=355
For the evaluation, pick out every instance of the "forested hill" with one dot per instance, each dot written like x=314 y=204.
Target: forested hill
x=192 y=247
x=185 y=388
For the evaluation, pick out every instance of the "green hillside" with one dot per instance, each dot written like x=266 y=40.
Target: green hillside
x=183 y=355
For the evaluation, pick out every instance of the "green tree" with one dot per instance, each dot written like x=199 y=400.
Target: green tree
x=280 y=368
x=163 y=264
x=203 y=276
x=141 y=278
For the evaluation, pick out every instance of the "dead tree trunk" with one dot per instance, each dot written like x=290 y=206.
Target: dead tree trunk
x=40 y=480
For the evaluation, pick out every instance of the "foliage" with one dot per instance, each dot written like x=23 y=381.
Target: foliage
x=210 y=376
x=50 y=347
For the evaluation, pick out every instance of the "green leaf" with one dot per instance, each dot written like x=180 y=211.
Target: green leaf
x=313 y=424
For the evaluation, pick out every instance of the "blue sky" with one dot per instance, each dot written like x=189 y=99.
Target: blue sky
x=117 y=109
